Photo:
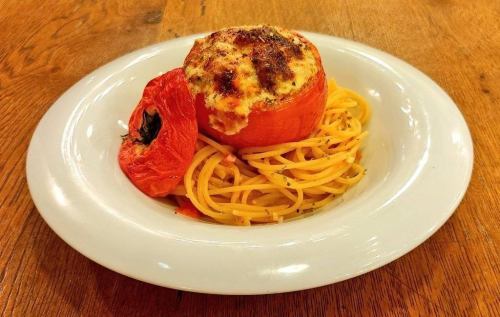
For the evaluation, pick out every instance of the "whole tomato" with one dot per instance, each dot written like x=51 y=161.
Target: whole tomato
x=162 y=135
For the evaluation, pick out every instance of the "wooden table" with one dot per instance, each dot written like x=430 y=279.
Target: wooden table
x=46 y=46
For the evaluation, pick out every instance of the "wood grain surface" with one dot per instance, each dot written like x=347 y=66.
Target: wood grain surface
x=47 y=46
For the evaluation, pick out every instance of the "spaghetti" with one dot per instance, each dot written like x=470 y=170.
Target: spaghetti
x=281 y=182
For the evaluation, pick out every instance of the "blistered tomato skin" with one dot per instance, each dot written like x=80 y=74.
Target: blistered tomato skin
x=162 y=136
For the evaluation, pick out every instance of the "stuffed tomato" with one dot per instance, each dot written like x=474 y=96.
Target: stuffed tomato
x=256 y=85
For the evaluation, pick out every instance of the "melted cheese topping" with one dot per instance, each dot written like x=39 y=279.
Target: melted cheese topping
x=237 y=69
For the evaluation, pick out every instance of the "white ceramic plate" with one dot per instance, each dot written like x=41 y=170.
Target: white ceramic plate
x=418 y=155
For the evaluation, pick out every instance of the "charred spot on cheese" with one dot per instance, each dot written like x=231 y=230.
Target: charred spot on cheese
x=224 y=82
x=237 y=69
x=270 y=65
x=267 y=36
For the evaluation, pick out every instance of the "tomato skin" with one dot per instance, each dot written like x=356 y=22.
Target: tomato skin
x=156 y=168
x=187 y=208
x=290 y=120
